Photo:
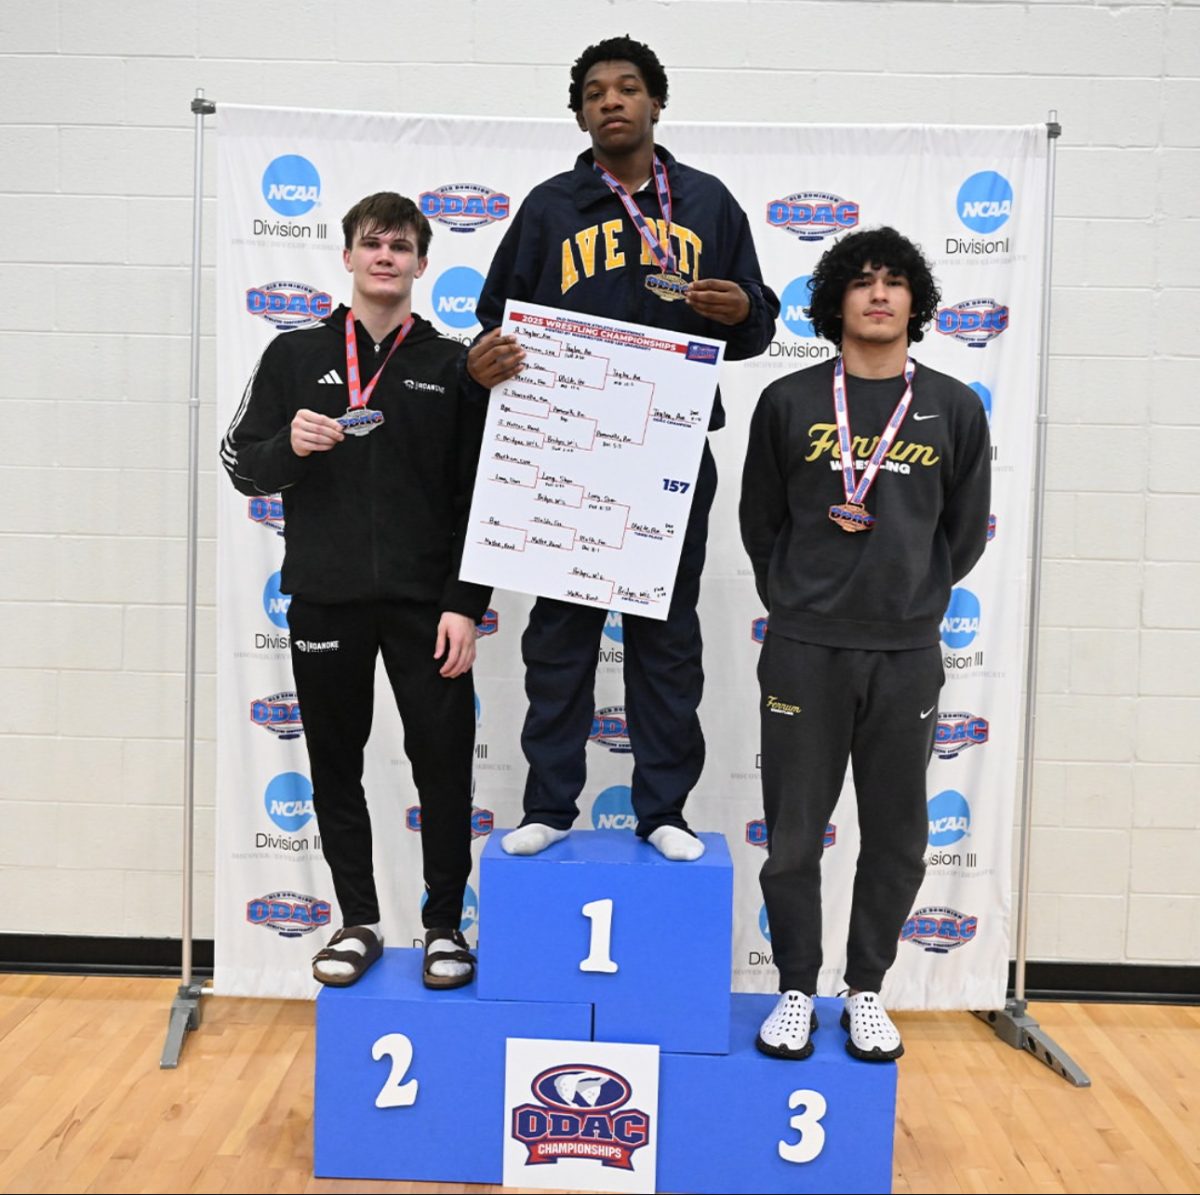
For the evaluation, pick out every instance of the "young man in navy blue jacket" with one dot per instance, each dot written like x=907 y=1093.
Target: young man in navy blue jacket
x=865 y=497
x=579 y=243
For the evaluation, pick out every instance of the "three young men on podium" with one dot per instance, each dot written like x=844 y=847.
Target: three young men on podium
x=628 y=233
x=855 y=558
x=375 y=499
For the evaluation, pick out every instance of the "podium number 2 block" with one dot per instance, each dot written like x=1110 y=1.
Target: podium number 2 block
x=410 y=1083
x=602 y=918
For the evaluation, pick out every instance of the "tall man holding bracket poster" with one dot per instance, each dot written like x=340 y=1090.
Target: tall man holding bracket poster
x=629 y=233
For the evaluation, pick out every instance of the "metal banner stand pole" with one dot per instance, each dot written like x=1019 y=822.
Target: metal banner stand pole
x=185 y=1008
x=1013 y=1024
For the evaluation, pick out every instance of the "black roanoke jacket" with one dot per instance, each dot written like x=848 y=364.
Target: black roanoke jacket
x=380 y=516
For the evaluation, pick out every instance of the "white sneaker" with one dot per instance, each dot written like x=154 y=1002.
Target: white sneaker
x=787 y=1032
x=873 y=1037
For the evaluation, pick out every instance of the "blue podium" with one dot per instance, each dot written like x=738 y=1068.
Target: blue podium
x=410 y=1083
x=603 y=918
x=596 y=939
x=746 y=1122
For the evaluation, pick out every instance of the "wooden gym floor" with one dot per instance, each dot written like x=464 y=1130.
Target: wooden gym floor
x=84 y=1106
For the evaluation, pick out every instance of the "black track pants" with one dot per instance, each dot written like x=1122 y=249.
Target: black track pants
x=821 y=707
x=664 y=681
x=335 y=688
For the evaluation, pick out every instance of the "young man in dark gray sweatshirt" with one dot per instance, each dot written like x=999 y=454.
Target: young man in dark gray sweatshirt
x=865 y=498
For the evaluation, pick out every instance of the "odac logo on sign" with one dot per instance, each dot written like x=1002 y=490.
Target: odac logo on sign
x=611 y=730
x=613 y=809
x=985 y=201
x=288 y=305
x=483 y=821
x=291 y=185
x=464 y=207
x=267 y=511
x=974 y=322
x=289 y=914
x=758 y=630
x=488 y=625
x=794 y=303
x=580 y=1113
x=455 y=295
x=756 y=834
x=279 y=713
x=275 y=601
x=939 y=930
x=949 y=818
x=957 y=731
x=812 y=215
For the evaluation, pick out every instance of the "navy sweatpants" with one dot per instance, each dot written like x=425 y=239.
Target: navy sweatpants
x=664 y=681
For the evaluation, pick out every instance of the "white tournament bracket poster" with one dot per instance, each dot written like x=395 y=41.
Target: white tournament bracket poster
x=589 y=459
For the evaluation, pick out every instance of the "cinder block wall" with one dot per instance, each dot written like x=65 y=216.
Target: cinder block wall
x=95 y=186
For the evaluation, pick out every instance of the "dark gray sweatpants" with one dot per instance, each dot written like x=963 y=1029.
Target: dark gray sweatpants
x=822 y=707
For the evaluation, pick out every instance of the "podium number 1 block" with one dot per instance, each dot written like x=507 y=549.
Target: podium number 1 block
x=602 y=918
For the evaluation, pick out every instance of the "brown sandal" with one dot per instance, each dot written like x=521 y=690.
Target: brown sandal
x=461 y=955
x=360 y=962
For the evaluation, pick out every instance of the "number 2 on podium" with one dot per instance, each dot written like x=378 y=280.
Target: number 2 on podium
x=599 y=913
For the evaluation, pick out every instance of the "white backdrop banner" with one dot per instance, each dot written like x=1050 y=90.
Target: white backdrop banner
x=973 y=198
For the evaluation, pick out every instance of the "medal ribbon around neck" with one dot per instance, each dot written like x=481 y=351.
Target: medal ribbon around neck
x=664 y=256
x=856 y=493
x=358 y=396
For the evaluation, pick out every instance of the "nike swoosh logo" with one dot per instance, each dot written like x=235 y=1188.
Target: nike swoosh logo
x=919 y=418
x=929 y=711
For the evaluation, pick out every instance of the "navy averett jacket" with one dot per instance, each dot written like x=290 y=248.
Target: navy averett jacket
x=572 y=245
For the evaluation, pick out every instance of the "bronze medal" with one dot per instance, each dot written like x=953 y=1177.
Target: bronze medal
x=851 y=516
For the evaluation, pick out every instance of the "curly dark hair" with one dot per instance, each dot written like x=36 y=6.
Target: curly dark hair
x=874 y=247
x=619 y=49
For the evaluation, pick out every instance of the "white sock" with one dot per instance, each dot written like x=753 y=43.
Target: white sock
x=530 y=839
x=444 y=967
x=678 y=845
x=332 y=970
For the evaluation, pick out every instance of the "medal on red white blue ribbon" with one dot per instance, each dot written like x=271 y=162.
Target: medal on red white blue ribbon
x=360 y=419
x=852 y=515
x=668 y=284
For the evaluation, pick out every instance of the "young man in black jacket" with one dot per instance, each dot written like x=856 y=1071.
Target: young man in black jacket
x=624 y=234
x=359 y=423
x=856 y=533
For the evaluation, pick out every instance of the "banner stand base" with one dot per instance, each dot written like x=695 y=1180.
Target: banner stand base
x=1016 y=1028
x=184 y=1015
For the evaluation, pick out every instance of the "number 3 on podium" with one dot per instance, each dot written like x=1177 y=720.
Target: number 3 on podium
x=599 y=913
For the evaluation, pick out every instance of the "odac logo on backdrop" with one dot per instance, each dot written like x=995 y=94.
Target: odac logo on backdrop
x=291 y=185
x=610 y=729
x=613 y=809
x=455 y=295
x=288 y=305
x=949 y=818
x=758 y=630
x=812 y=215
x=580 y=1113
x=973 y=322
x=938 y=929
x=275 y=601
x=756 y=833
x=464 y=207
x=470 y=909
x=267 y=511
x=958 y=731
x=985 y=201
x=794 y=302
x=489 y=624
x=483 y=821
x=960 y=624
x=288 y=801
x=289 y=914
x=279 y=713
